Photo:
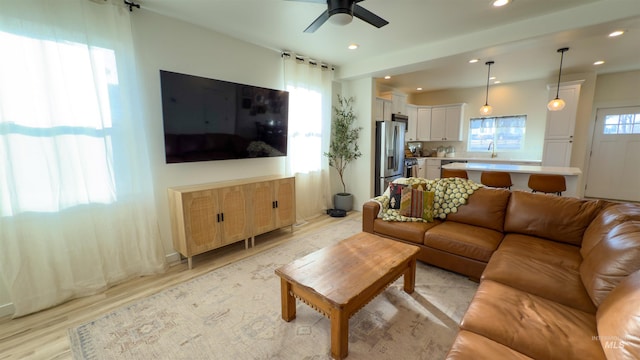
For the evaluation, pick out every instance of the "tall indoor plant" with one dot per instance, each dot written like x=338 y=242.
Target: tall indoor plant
x=343 y=148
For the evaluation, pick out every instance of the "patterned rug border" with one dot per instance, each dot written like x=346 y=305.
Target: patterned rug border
x=184 y=316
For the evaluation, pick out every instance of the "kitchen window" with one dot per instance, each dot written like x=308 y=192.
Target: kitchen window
x=500 y=133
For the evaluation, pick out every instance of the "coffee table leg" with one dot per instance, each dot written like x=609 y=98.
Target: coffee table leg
x=410 y=277
x=339 y=334
x=288 y=301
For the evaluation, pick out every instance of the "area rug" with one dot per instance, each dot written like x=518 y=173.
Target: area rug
x=234 y=313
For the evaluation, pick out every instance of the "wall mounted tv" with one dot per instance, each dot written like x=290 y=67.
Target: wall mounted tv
x=207 y=119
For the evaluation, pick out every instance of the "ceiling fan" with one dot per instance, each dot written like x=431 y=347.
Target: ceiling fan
x=342 y=12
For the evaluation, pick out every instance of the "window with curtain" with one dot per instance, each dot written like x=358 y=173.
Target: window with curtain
x=309 y=85
x=77 y=212
x=55 y=124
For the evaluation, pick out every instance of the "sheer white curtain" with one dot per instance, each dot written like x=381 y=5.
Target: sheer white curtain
x=309 y=85
x=76 y=203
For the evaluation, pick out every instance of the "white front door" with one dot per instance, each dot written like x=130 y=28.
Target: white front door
x=614 y=165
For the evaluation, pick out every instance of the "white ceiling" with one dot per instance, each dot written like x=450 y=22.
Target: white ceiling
x=428 y=42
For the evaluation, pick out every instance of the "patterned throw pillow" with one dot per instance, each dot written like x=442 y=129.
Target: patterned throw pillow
x=395 y=195
x=416 y=203
x=406 y=201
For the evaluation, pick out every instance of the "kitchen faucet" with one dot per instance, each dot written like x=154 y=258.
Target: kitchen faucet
x=492 y=147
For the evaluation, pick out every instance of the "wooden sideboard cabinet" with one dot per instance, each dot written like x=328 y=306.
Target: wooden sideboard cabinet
x=208 y=216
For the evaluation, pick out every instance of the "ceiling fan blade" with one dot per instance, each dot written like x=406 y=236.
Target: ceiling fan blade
x=317 y=22
x=366 y=15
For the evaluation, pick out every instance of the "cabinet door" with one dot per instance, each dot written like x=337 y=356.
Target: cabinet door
x=424 y=124
x=557 y=153
x=438 y=124
x=412 y=127
x=379 y=109
x=387 y=110
x=422 y=168
x=285 y=198
x=453 y=121
x=263 y=214
x=561 y=124
x=201 y=227
x=235 y=215
x=399 y=103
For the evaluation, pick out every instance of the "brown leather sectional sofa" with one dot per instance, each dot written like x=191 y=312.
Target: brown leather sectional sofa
x=559 y=277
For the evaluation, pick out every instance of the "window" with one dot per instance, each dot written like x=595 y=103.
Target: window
x=56 y=124
x=622 y=124
x=504 y=133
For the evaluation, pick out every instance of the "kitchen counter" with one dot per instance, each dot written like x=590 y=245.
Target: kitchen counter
x=520 y=174
x=484 y=159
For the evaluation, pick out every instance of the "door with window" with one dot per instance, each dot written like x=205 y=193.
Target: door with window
x=614 y=169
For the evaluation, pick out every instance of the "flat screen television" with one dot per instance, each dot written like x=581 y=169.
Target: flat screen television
x=206 y=119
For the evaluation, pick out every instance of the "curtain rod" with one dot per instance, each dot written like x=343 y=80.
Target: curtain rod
x=131 y=5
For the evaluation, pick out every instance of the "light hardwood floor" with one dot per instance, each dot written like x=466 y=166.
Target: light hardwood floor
x=44 y=335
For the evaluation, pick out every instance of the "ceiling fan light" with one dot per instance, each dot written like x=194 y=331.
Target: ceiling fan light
x=556 y=104
x=341 y=18
x=486 y=110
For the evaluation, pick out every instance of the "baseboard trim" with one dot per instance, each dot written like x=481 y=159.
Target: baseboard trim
x=173 y=258
x=7 y=310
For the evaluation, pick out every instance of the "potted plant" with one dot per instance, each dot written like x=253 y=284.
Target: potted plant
x=343 y=148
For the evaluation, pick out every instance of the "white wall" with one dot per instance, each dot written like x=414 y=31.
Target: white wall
x=169 y=44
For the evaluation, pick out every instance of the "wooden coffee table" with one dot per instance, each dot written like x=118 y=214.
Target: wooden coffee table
x=340 y=279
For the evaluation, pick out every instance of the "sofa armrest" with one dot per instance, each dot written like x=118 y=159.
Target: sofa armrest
x=370 y=211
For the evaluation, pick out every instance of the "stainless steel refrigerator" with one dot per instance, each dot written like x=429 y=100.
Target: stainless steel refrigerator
x=389 y=153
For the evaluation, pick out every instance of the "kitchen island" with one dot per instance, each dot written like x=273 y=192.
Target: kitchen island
x=520 y=174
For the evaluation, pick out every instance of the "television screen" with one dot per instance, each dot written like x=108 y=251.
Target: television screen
x=206 y=119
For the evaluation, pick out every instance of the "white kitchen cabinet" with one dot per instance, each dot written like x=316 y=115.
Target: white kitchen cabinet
x=412 y=126
x=383 y=109
x=557 y=152
x=423 y=132
x=399 y=103
x=422 y=168
x=560 y=126
x=433 y=169
x=446 y=122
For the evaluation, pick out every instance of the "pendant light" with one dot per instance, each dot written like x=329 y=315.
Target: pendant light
x=487 y=109
x=557 y=104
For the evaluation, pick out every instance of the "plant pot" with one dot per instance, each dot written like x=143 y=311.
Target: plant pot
x=343 y=201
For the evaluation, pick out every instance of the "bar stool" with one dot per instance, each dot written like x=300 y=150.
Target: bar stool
x=547 y=183
x=496 y=179
x=453 y=173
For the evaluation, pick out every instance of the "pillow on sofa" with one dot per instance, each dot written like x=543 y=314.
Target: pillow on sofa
x=395 y=195
x=417 y=203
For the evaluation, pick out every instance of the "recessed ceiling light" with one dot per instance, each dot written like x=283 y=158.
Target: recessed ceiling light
x=419 y=89
x=498 y=3
x=616 y=33
x=492 y=78
x=353 y=46
x=497 y=82
x=599 y=62
x=387 y=77
x=473 y=61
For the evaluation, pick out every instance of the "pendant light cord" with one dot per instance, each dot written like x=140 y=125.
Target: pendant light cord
x=560 y=72
x=486 y=99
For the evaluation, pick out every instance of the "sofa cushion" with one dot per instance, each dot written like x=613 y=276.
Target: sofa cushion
x=485 y=207
x=469 y=241
x=407 y=231
x=610 y=216
x=531 y=325
x=562 y=219
x=552 y=252
x=612 y=259
x=619 y=320
x=472 y=346
x=553 y=281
